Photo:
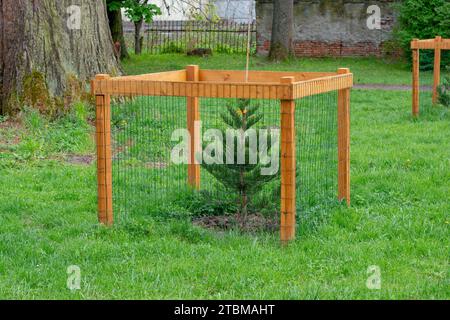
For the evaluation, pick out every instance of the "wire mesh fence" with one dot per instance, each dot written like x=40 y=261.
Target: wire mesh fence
x=426 y=82
x=145 y=178
x=428 y=54
x=181 y=36
x=146 y=124
x=426 y=90
x=317 y=151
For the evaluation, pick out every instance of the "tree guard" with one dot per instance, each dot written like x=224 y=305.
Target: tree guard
x=311 y=109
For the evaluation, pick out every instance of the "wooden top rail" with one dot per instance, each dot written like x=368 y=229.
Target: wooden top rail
x=179 y=75
x=437 y=43
x=322 y=85
x=223 y=84
x=258 y=76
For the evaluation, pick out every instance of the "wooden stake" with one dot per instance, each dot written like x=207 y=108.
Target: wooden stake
x=104 y=162
x=193 y=115
x=247 y=64
x=288 y=167
x=415 y=80
x=344 y=142
x=437 y=68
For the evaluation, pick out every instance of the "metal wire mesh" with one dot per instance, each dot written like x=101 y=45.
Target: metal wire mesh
x=144 y=177
x=426 y=87
x=426 y=79
x=171 y=36
x=316 y=148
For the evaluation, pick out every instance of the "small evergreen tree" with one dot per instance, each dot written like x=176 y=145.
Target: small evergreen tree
x=244 y=179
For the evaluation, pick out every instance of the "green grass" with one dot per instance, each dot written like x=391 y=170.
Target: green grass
x=399 y=220
x=32 y=137
x=365 y=70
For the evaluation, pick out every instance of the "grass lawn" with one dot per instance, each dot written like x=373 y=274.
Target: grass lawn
x=365 y=70
x=399 y=219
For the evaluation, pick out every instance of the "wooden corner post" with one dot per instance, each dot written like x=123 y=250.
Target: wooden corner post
x=415 y=79
x=344 y=142
x=437 y=68
x=288 y=167
x=193 y=115
x=104 y=162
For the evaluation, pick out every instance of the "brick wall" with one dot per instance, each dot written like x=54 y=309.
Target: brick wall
x=335 y=49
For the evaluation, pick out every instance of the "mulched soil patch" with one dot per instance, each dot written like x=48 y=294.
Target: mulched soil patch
x=80 y=159
x=254 y=223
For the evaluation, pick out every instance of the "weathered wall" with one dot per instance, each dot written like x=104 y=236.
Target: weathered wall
x=236 y=10
x=330 y=27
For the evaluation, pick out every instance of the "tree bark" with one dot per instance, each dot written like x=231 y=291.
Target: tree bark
x=116 y=26
x=282 y=29
x=1 y=56
x=137 y=37
x=39 y=36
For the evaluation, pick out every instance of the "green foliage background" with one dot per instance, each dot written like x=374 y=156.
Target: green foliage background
x=423 y=19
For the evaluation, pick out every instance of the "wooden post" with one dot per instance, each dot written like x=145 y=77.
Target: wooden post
x=344 y=142
x=104 y=163
x=415 y=80
x=193 y=115
x=288 y=167
x=437 y=68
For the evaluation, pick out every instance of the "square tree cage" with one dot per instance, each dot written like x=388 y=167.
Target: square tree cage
x=194 y=85
x=437 y=45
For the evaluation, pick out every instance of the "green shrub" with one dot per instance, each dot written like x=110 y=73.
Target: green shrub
x=173 y=47
x=444 y=92
x=225 y=48
x=423 y=19
x=43 y=137
x=3 y=118
x=204 y=203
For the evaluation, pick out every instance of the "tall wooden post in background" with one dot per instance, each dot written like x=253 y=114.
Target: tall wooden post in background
x=344 y=142
x=288 y=167
x=193 y=115
x=437 y=67
x=104 y=162
x=415 y=80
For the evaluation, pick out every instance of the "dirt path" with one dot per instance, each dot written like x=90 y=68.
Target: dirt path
x=389 y=87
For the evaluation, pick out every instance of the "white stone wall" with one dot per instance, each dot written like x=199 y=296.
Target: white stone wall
x=236 y=10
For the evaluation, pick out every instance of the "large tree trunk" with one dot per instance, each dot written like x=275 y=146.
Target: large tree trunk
x=38 y=36
x=116 y=26
x=282 y=29
x=2 y=34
